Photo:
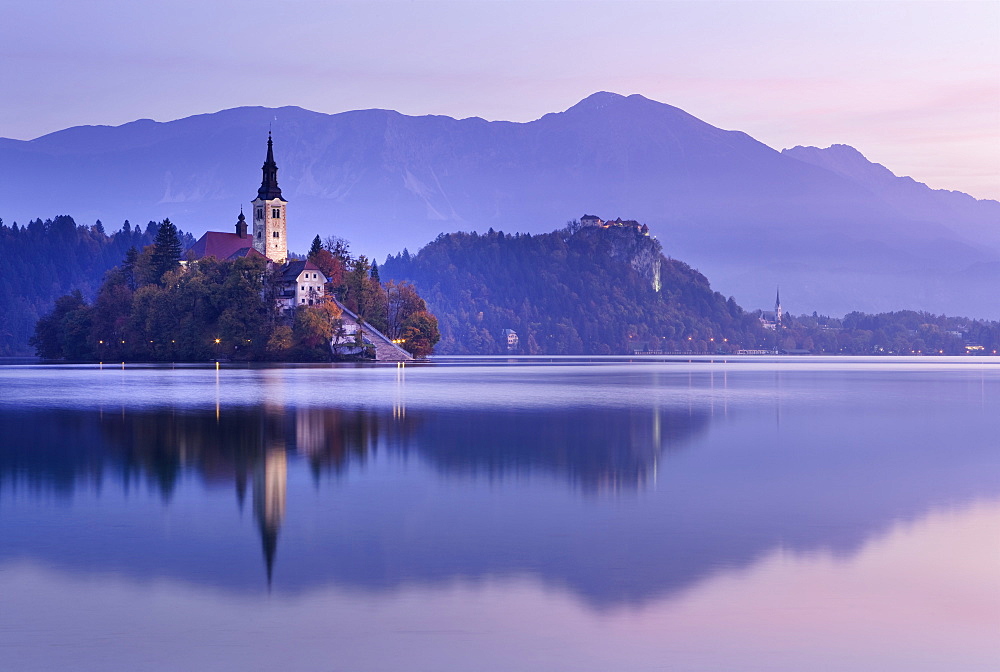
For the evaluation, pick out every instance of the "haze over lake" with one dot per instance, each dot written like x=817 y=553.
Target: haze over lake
x=493 y=514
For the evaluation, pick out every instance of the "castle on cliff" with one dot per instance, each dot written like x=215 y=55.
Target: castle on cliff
x=594 y=220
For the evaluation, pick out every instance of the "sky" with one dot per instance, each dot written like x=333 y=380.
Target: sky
x=912 y=85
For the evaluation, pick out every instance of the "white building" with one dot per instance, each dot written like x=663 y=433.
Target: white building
x=301 y=283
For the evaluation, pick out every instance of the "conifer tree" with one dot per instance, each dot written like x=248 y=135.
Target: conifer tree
x=166 y=250
x=129 y=265
x=317 y=245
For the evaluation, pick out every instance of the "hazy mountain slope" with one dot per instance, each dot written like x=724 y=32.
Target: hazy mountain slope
x=972 y=219
x=834 y=237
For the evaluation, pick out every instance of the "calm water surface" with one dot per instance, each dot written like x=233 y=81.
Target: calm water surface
x=504 y=515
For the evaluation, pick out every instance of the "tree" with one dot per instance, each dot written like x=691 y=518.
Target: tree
x=420 y=334
x=280 y=342
x=166 y=250
x=354 y=285
x=314 y=327
x=129 y=267
x=402 y=302
x=317 y=245
x=338 y=247
x=49 y=338
x=331 y=266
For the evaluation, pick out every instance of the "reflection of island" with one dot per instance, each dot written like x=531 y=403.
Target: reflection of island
x=598 y=450
x=66 y=450
x=826 y=479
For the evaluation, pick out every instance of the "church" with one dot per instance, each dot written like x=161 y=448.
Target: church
x=301 y=282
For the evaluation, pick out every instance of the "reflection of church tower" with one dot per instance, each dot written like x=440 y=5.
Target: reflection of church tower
x=270 y=481
x=269 y=231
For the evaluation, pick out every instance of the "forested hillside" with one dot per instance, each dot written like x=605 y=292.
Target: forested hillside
x=50 y=258
x=575 y=291
x=903 y=332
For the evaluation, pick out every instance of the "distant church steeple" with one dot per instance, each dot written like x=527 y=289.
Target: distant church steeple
x=777 y=306
x=269 y=226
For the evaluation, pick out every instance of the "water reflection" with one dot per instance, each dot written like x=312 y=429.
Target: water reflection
x=617 y=503
x=63 y=450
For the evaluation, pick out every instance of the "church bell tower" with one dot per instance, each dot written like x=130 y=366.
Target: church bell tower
x=269 y=229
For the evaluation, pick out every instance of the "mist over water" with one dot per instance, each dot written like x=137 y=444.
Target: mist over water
x=550 y=513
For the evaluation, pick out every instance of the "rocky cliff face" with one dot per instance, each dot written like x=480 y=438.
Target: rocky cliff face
x=643 y=253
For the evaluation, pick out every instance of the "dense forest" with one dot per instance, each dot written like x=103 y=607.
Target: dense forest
x=904 y=332
x=47 y=259
x=579 y=290
x=153 y=308
x=574 y=291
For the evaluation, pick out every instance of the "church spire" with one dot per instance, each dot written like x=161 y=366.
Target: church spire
x=269 y=188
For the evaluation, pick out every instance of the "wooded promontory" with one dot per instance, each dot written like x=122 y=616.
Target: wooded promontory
x=578 y=290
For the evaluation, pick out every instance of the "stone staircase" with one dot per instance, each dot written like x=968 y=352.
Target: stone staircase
x=385 y=349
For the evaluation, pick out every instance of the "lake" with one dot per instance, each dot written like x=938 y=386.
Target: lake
x=575 y=514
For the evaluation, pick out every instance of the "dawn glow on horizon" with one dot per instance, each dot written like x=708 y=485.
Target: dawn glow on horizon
x=914 y=86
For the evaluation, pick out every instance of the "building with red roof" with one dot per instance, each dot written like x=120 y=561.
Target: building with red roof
x=299 y=282
x=225 y=246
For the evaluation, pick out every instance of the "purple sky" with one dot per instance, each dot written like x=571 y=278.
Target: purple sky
x=913 y=85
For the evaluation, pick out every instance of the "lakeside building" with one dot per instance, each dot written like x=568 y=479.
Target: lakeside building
x=269 y=238
x=512 y=339
x=270 y=231
x=299 y=282
x=225 y=246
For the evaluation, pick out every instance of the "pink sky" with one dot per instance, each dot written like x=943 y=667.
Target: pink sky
x=913 y=85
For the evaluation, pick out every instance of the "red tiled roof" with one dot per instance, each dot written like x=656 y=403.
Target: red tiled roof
x=220 y=245
x=247 y=252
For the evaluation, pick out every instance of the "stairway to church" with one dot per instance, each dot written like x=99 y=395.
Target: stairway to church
x=385 y=349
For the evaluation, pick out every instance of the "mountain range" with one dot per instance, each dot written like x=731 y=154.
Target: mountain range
x=834 y=230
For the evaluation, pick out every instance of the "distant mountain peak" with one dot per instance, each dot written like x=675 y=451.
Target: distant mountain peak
x=602 y=100
x=843 y=160
x=597 y=101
